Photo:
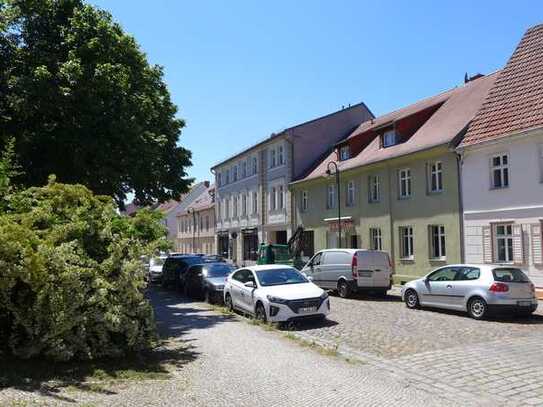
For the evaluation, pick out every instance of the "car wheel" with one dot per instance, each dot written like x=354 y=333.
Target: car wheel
x=343 y=289
x=260 y=313
x=411 y=299
x=477 y=308
x=228 y=303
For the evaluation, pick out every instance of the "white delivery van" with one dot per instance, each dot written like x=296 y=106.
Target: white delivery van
x=351 y=270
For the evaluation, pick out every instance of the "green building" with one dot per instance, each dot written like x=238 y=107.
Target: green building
x=399 y=184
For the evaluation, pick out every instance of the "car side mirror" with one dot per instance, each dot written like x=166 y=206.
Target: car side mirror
x=309 y=278
x=250 y=284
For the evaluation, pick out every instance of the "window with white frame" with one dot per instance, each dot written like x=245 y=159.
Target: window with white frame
x=500 y=171
x=374 y=188
x=376 y=242
x=255 y=165
x=331 y=196
x=389 y=138
x=503 y=243
x=235 y=207
x=305 y=201
x=404 y=178
x=272 y=158
x=255 y=203
x=281 y=197
x=243 y=169
x=436 y=177
x=437 y=242
x=244 y=205
x=406 y=242
x=273 y=199
x=351 y=194
x=344 y=153
x=280 y=156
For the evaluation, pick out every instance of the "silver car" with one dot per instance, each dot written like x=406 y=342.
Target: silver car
x=477 y=289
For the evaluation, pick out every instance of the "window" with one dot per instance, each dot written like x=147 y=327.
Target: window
x=207 y=222
x=344 y=153
x=500 y=171
x=280 y=158
x=337 y=257
x=235 y=173
x=437 y=242
x=405 y=183
x=281 y=198
x=255 y=203
x=273 y=202
x=374 y=188
x=350 y=194
x=510 y=275
x=444 y=274
x=308 y=243
x=219 y=179
x=331 y=197
x=244 y=205
x=436 y=177
x=504 y=243
x=389 y=138
x=406 y=242
x=219 y=208
x=316 y=260
x=305 y=202
x=376 y=242
x=255 y=166
x=243 y=169
x=354 y=241
x=235 y=207
x=272 y=158
x=227 y=181
x=467 y=274
x=250 y=246
x=201 y=222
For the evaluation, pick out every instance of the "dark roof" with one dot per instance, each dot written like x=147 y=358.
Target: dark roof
x=515 y=102
x=284 y=131
x=457 y=107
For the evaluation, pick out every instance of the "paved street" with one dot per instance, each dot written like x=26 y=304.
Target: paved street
x=405 y=358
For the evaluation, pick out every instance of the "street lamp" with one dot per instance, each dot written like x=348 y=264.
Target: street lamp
x=338 y=193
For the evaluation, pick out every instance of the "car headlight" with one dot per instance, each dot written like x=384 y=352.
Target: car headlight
x=276 y=300
x=324 y=295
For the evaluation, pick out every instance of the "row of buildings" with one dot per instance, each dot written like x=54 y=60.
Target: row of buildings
x=456 y=177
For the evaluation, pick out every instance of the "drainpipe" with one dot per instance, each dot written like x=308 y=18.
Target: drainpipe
x=459 y=160
x=391 y=218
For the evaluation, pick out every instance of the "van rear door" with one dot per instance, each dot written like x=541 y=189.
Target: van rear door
x=373 y=269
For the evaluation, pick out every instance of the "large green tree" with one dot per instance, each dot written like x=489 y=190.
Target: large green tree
x=83 y=103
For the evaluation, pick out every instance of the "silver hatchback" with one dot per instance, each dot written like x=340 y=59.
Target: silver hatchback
x=477 y=289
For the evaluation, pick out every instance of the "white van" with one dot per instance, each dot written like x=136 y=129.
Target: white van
x=351 y=270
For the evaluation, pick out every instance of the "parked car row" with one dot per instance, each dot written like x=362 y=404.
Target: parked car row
x=282 y=293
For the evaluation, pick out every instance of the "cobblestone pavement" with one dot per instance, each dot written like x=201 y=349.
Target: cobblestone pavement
x=500 y=359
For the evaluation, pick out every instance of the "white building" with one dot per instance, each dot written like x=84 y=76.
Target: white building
x=502 y=166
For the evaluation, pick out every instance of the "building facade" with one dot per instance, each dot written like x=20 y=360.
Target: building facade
x=399 y=184
x=253 y=203
x=196 y=225
x=502 y=166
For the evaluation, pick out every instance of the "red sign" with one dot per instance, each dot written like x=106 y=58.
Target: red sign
x=345 y=224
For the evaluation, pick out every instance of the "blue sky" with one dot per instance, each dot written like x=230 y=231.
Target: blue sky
x=240 y=70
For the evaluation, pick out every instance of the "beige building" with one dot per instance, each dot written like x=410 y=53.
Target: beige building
x=196 y=225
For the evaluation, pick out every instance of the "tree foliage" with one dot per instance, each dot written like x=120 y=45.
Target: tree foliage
x=72 y=281
x=84 y=104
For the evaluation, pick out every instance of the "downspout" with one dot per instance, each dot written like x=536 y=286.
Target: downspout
x=391 y=220
x=459 y=160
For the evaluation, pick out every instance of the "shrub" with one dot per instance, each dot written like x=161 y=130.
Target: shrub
x=71 y=282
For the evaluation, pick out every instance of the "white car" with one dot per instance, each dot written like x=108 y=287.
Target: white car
x=275 y=293
x=155 y=268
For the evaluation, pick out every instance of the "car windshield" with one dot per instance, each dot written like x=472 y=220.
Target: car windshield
x=280 y=277
x=157 y=261
x=510 y=275
x=218 y=270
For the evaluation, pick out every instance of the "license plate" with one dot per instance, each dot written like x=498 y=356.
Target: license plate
x=524 y=303
x=306 y=310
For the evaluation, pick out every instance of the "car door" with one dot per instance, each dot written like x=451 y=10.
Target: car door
x=336 y=264
x=464 y=283
x=247 y=293
x=438 y=289
x=235 y=287
x=314 y=270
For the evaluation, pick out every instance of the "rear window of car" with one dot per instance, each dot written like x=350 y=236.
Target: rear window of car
x=510 y=275
x=338 y=258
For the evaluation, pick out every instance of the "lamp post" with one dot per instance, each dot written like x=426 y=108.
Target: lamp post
x=338 y=193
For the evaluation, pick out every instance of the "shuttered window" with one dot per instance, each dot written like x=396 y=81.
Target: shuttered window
x=537 y=255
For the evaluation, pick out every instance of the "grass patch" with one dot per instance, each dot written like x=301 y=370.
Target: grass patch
x=92 y=376
x=323 y=350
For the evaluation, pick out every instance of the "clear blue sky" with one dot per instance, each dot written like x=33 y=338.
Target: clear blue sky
x=240 y=70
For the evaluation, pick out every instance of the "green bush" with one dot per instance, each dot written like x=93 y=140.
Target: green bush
x=71 y=282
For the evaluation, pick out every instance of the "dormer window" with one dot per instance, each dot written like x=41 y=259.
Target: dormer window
x=389 y=138
x=344 y=153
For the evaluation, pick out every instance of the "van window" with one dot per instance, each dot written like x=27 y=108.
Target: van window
x=317 y=259
x=337 y=258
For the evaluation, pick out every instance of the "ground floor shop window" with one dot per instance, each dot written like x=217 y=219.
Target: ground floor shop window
x=223 y=246
x=308 y=244
x=354 y=242
x=250 y=246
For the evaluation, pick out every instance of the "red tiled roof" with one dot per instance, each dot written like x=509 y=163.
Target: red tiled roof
x=204 y=201
x=515 y=102
x=458 y=107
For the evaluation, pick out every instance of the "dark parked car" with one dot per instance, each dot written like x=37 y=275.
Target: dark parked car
x=174 y=269
x=206 y=281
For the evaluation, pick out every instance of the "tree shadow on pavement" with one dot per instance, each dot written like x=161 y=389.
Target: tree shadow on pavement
x=308 y=324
